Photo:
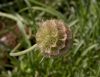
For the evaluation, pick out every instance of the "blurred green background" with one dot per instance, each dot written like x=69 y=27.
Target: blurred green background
x=82 y=16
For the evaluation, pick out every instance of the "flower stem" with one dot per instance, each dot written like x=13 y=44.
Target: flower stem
x=12 y=53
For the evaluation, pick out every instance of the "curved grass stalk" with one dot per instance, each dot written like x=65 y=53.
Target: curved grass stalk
x=48 y=10
x=8 y=16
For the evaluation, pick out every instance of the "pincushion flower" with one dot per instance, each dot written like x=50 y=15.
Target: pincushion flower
x=53 y=37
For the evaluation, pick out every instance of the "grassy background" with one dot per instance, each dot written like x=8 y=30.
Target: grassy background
x=82 y=16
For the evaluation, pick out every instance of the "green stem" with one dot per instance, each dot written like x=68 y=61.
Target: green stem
x=8 y=16
x=23 y=52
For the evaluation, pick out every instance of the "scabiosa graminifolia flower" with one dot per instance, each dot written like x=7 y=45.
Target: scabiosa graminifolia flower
x=53 y=37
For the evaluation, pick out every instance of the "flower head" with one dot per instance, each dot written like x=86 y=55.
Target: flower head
x=53 y=37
